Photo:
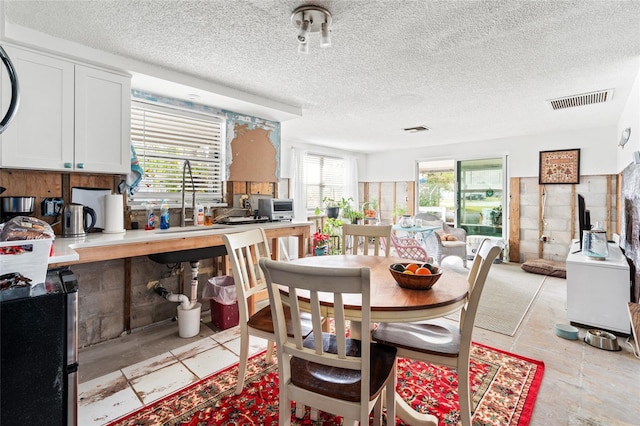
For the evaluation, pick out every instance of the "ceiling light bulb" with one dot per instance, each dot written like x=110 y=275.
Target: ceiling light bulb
x=303 y=48
x=304 y=31
x=325 y=40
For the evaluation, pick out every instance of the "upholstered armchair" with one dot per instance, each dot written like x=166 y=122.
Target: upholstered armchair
x=446 y=240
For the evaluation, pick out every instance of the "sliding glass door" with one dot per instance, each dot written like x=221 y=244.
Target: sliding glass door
x=467 y=193
x=481 y=196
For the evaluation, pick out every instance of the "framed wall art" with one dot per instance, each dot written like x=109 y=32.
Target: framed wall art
x=561 y=166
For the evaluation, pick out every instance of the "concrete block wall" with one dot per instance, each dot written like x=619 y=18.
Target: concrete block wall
x=557 y=215
x=101 y=296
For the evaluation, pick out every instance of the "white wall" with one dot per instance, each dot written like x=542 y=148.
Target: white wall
x=597 y=154
x=630 y=117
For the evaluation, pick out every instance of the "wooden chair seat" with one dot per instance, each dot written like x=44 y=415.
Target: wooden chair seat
x=342 y=383
x=262 y=320
x=433 y=337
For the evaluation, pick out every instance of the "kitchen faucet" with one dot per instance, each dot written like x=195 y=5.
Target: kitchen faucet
x=183 y=219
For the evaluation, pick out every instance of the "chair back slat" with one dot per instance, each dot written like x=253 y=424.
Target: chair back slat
x=309 y=283
x=354 y=235
x=244 y=250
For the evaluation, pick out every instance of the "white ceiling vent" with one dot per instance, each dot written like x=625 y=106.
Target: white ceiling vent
x=416 y=129
x=582 y=99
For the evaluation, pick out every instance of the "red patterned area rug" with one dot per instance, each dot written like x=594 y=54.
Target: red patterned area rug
x=504 y=387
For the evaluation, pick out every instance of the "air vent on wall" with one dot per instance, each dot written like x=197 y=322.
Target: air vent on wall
x=416 y=129
x=580 y=100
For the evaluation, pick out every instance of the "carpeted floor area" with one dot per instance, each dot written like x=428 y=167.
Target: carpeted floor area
x=504 y=387
x=507 y=296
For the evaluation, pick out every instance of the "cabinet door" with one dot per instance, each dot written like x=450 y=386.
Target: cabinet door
x=103 y=117
x=41 y=134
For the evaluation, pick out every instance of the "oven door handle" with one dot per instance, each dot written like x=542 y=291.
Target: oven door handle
x=15 y=92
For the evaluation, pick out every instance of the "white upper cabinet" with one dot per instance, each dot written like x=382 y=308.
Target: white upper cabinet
x=71 y=117
x=102 y=121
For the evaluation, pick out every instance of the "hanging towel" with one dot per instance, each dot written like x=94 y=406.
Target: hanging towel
x=133 y=178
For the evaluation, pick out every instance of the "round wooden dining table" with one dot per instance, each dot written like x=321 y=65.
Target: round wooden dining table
x=389 y=301
x=392 y=303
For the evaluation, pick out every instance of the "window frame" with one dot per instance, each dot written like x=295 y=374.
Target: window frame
x=206 y=193
x=337 y=182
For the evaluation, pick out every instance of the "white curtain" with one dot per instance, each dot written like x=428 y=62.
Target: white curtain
x=351 y=180
x=297 y=184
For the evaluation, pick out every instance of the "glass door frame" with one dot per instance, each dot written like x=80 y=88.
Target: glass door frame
x=457 y=204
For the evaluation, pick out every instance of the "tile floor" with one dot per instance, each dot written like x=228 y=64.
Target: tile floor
x=582 y=385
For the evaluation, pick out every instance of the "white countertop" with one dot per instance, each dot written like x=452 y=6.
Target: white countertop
x=615 y=259
x=64 y=248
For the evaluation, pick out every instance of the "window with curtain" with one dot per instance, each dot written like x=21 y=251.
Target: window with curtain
x=164 y=138
x=322 y=176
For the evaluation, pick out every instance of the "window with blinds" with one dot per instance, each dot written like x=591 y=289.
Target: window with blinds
x=323 y=177
x=164 y=138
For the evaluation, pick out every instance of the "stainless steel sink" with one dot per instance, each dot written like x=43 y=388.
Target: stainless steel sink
x=192 y=255
x=189 y=229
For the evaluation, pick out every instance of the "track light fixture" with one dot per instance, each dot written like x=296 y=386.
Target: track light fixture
x=311 y=19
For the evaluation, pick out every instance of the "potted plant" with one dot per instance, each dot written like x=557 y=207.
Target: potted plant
x=320 y=243
x=348 y=212
x=332 y=209
x=399 y=211
x=496 y=215
x=354 y=216
x=333 y=228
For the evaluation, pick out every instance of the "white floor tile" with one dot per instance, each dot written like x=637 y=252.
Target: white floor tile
x=194 y=348
x=104 y=399
x=150 y=365
x=211 y=361
x=162 y=382
x=226 y=335
x=256 y=344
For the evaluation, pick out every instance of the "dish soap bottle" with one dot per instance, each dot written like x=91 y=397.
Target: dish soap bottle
x=198 y=215
x=151 y=218
x=164 y=215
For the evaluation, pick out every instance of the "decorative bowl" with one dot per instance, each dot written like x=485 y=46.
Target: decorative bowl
x=415 y=281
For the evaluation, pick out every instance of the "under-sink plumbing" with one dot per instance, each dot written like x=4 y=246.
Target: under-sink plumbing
x=171 y=297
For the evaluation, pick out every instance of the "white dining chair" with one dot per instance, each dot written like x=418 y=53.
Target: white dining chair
x=329 y=371
x=244 y=250
x=441 y=342
x=378 y=235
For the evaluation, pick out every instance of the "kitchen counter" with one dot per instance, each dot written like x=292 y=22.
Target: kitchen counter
x=95 y=247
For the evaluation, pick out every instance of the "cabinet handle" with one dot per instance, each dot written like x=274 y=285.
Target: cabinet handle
x=68 y=165
x=80 y=165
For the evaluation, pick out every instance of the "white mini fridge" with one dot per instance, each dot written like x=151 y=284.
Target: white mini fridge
x=598 y=290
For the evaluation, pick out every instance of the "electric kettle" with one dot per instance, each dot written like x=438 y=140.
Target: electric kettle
x=74 y=222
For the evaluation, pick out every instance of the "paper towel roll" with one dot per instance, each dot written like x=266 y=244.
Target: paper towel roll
x=113 y=214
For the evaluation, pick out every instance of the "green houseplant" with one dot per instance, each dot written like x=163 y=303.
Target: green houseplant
x=332 y=209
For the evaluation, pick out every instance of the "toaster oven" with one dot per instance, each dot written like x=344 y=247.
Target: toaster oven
x=276 y=208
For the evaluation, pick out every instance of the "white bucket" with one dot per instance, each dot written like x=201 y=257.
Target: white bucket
x=189 y=320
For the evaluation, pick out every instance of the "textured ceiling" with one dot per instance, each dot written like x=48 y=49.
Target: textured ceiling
x=468 y=70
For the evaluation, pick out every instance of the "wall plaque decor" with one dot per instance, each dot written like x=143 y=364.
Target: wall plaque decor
x=561 y=166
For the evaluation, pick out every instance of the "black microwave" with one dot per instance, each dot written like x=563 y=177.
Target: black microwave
x=276 y=208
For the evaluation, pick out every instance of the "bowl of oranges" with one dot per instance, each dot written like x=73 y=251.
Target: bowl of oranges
x=415 y=276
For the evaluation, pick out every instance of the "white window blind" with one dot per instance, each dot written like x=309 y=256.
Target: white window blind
x=164 y=138
x=323 y=176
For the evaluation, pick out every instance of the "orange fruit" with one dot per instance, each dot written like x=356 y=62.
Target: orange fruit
x=423 y=271
x=412 y=267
